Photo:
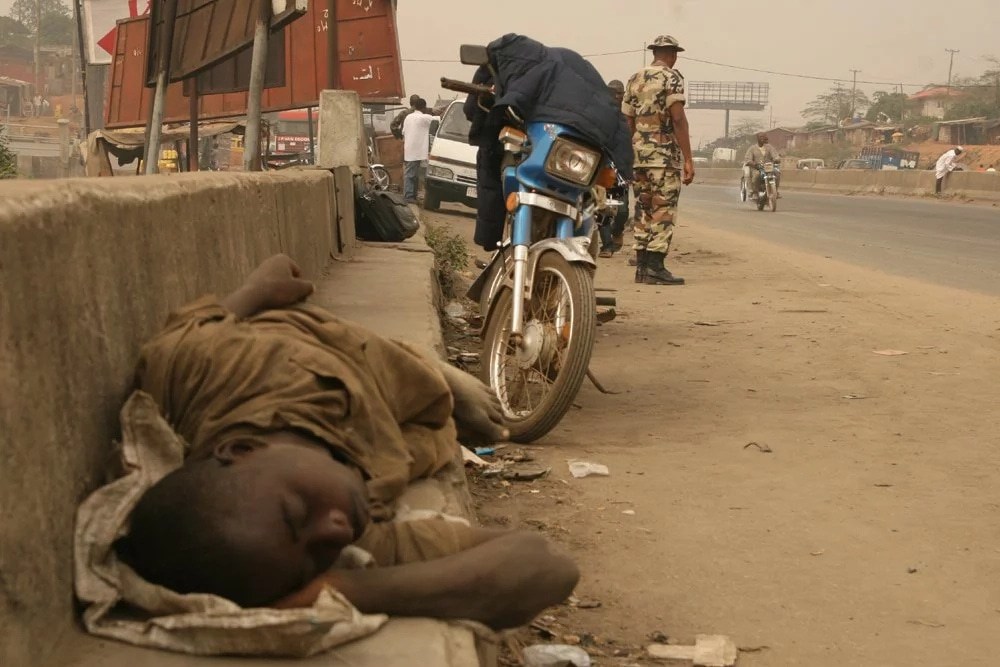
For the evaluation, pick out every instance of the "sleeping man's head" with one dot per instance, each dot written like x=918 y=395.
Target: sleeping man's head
x=253 y=524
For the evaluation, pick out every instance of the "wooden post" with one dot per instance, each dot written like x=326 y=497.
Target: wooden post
x=332 y=47
x=312 y=135
x=251 y=143
x=162 y=80
x=193 y=139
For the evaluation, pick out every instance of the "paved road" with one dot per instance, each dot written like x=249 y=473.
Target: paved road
x=950 y=244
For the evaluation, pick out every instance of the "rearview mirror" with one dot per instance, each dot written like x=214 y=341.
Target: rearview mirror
x=471 y=54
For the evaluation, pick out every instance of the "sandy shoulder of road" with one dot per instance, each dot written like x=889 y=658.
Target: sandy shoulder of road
x=867 y=536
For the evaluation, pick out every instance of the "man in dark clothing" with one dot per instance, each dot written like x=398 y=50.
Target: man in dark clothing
x=541 y=84
x=484 y=133
x=612 y=233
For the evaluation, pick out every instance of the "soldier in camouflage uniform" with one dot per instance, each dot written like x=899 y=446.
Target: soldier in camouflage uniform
x=654 y=104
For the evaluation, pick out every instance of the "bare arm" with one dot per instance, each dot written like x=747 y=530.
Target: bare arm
x=503 y=581
x=683 y=133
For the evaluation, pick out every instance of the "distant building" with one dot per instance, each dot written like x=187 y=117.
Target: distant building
x=931 y=101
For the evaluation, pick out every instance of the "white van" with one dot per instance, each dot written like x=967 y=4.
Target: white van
x=451 y=166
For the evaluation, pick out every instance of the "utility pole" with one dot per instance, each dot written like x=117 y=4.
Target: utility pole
x=854 y=93
x=38 y=49
x=951 y=65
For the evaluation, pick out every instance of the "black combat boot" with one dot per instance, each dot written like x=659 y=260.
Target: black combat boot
x=656 y=273
x=640 y=266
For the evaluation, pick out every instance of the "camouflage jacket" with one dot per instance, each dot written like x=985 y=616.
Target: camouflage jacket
x=648 y=97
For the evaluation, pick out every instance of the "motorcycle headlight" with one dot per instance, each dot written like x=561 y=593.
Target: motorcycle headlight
x=441 y=172
x=572 y=162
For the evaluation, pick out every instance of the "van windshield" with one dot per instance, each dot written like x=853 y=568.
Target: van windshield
x=454 y=125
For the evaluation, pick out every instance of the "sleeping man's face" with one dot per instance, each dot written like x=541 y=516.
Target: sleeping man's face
x=293 y=510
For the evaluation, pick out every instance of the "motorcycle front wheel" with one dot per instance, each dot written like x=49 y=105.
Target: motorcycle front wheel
x=772 y=195
x=380 y=178
x=537 y=381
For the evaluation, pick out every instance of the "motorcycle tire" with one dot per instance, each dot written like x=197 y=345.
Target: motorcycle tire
x=743 y=190
x=772 y=196
x=761 y=202
x=556 y=354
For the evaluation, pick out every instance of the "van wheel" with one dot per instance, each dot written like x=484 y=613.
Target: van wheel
x=432 y=200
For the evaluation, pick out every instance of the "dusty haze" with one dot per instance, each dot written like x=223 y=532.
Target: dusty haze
x=895 y=41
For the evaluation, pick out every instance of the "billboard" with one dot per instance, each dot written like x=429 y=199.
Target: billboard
x=368 y=61
x=100 y=19
x=727 y=95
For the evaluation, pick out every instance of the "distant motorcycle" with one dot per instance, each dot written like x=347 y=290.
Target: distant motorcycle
x=767 y=196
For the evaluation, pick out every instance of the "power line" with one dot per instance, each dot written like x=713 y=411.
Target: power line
x=794 y=75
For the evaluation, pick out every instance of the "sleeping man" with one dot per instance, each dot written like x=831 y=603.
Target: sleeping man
x=303 y=431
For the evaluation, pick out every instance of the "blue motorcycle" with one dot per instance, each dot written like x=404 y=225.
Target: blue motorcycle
x=537 y=292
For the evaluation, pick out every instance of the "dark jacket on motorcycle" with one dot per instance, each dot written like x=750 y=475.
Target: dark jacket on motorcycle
x=559 y=86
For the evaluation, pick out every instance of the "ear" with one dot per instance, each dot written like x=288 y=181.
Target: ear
x=232 y=451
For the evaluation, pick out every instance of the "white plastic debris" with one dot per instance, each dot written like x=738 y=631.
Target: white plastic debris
x=585 y=469
x=555 y=655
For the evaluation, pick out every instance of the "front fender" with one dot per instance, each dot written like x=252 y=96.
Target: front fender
x=574 y=250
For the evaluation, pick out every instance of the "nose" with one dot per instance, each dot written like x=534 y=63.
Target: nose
x=331 y=530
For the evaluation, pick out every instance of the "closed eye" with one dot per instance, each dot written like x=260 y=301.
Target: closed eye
x=287 y=518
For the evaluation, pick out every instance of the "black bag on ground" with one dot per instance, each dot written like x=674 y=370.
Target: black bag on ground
x=384 y=216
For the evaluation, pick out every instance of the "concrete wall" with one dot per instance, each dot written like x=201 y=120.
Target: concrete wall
x=88 y=271
x=910 y=182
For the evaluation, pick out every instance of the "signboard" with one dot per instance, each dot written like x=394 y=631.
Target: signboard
x=207 y=32
x=731 y=95
x=100 y=18
x=368 y=61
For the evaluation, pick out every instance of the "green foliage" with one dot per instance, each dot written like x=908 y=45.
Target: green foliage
x=14 y=33
x=896 y=106
x=56 y=24
x=451 y=255
x=8 y=161
x=833 y=106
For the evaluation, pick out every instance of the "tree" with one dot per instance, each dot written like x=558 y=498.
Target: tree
x=14 y=33
x=23 y=11
x=888 y=107
x=980 y=96
x=833 y=106
x=747 y=127
x=8 y=160
x=56 y=20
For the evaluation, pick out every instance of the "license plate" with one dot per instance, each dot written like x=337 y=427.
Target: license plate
x=471 y=193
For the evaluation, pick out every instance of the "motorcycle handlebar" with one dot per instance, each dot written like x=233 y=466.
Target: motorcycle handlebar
x=465 y=87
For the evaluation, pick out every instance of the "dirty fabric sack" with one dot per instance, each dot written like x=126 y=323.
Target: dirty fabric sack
x=384 y=216
x=121 y=605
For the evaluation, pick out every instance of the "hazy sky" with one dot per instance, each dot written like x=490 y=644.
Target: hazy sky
x=895 y=41
x=898 y=41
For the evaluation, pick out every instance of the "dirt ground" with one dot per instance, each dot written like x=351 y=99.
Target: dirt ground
x=861 y=529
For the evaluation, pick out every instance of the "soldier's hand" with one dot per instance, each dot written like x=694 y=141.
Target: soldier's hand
x=688 y=172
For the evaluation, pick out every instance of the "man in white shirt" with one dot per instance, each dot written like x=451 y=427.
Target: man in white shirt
x=945 y=165
x=416 y=147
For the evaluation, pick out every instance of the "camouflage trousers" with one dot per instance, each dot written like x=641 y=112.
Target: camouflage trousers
x=657 y=190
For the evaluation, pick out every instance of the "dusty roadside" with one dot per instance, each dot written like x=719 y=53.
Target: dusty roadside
x=867 y=535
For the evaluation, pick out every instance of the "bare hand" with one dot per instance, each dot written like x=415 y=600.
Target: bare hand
x=688 y=172
x=278 y=283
